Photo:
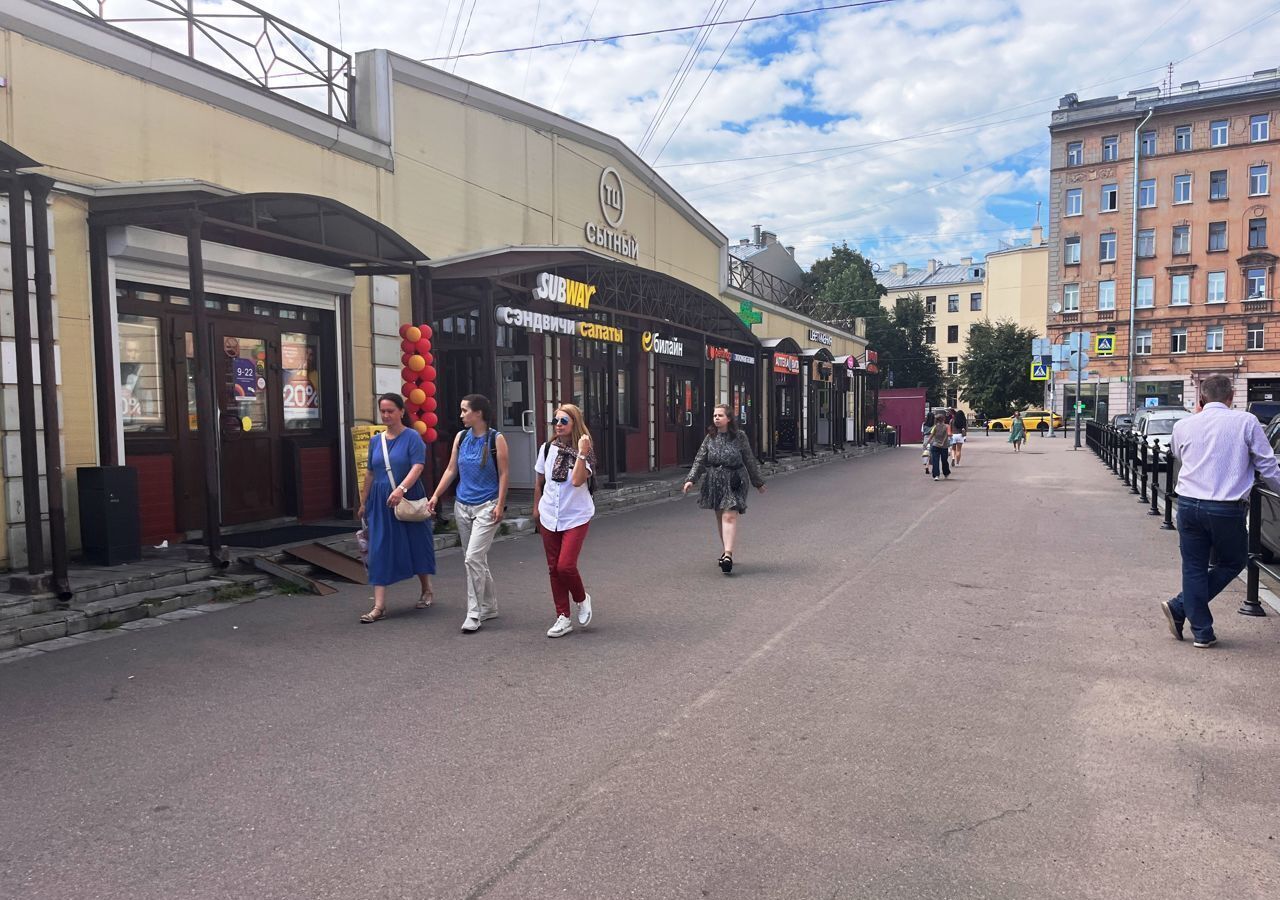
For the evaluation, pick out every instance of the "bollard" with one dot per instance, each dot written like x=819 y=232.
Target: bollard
x=1133 y=465
x=1251 y=605
x=1122 y=458
x=1145 y=451
x=1167 y=525
x=1155 y=482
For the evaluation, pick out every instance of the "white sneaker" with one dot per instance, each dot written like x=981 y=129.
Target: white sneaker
x=486 y=616
x=584 y=611
x=471 y=624
x=562 y=627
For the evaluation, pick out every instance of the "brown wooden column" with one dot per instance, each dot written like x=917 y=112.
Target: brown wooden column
x=40 y=187
x=106 y=375
x=206 y=405
x=26 y=377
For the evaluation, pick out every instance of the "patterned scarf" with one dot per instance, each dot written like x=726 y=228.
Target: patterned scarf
x=566 y=457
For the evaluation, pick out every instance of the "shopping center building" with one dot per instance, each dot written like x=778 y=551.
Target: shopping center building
x=230 y=264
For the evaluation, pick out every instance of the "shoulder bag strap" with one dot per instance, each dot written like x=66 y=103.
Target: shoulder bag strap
x=386 y=459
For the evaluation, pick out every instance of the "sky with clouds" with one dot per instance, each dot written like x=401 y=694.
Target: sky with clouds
x=910 y=129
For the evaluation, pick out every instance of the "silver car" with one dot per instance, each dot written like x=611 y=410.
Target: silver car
x=1155 y=426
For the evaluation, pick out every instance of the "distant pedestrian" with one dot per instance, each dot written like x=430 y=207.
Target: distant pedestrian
x=939 y=447
x=725 y=457
x=959 y=431
x=924 y=440
x=479 y=462
x=393 y=471
x=1017 y=432
x=562 y=510
x=1220 y=450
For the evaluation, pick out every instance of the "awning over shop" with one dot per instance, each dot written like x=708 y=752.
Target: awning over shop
x=631 y=290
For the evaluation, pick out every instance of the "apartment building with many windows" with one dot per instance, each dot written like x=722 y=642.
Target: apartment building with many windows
x=1175 y=253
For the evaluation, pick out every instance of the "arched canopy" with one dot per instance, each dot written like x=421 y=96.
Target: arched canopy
x=299 y=226
x=822 y=354
x=781 y=345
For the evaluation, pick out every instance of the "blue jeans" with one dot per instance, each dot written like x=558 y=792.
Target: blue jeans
x=939 y=454
x=1205 y=528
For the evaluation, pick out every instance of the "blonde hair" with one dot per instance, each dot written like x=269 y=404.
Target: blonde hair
x=577 y=423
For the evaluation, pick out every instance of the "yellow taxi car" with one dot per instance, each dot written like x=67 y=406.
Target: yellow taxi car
x=1032 y=420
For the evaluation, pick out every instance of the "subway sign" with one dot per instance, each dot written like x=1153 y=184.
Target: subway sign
x=564 y=290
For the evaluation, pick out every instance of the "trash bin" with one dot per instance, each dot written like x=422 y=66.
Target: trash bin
x=109 y=528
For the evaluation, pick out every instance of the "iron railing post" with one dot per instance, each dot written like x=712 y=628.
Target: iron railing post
x=1143 y=462
x=1168 y=495
x=1155 y=481
x=1251 y=605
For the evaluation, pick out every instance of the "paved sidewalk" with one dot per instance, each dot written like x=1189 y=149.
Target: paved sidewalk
x=908 y=688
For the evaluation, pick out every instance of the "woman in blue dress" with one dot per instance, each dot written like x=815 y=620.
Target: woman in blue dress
x=397 y=550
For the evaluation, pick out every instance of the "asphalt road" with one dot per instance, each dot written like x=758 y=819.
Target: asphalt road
x=907 y=689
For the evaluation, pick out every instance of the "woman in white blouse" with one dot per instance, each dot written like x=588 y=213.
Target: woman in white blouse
x=562 y=510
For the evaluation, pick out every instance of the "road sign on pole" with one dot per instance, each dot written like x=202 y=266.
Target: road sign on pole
x=1039 y=371
x=1105 y=344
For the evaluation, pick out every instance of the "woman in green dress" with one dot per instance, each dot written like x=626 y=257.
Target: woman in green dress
x=1017 y=432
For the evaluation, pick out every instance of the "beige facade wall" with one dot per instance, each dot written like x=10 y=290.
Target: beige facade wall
x=1017 y=286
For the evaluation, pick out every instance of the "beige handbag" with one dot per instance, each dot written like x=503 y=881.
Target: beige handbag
x=406 y=510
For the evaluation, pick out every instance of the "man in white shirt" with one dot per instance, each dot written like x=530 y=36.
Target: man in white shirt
x=1220 y=450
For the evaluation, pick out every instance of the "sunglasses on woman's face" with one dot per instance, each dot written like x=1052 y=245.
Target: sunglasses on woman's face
x=560 y=420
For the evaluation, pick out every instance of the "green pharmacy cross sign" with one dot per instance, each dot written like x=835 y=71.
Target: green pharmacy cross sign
x=747 y=313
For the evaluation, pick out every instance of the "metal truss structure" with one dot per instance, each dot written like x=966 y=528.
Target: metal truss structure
x=242 y=40
x=756 y=282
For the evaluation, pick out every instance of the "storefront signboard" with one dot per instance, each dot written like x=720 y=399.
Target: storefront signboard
x=821 y=370
x=613 y=206
x=724 y=354
x=361 y=435
x=748 y=315
x=851 y=363
x=744 y=359
x=653 y=342
x=543 y=323
x=564 y=290
x=786 y=364
x=820 y=337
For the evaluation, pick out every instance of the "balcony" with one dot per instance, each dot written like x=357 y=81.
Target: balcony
x=1106 y=315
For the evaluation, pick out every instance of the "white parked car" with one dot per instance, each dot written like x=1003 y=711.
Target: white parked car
x=1155 y=425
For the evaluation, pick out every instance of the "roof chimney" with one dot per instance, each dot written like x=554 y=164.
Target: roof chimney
x=744 y=242
x=1037 y=235
x=933 y=266
x=899 y=269
x=792 y=251
x=755 y=234
x=966 y=260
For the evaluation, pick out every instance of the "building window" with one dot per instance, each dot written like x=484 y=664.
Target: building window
x=975 y=302
x=1110 y=148
x=1075 y=202
x=1071 y=298
x=953 y=365
x=1110 y=201
x=1217 y=236
x=1218 y=133
x=1257 y=234
x=1255 y=283
x=1259 y=180
x=931 y=305
x=1106 y=295
x=1181 y=188
x=1147 y=243
x=930 y=334
x=953 y=334
x=1181 y=240
x=1075 y=153
x=1182 y=138
x=1148 y=147
x=953 y=303
x=142 y=367
x=1142 y=342
x=1178 y=340
x=1146 y=293
x=1218 y=185
x=1216 y=291
x=1071 y=251
x=1147 y=193
x=1259 y=128
x=1107 y=246
x=1181 y=293
x=1254 y=338
x=1213 y=339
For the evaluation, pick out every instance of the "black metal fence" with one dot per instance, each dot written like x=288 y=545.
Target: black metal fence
x=1150 y=471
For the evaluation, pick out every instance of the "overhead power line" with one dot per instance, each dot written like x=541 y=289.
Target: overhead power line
x=861 y=4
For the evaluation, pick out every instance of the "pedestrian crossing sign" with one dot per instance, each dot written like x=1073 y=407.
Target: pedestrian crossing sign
x=1105 y=345
x=1039 y=371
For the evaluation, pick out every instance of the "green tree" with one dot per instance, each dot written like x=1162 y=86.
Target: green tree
x=995 y=372
x=907 y=359
x=845 y=280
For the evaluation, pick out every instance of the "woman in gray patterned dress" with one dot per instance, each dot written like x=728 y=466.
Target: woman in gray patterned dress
x=730 y=467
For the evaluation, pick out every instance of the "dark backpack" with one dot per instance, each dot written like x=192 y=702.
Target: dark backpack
x=591 y=479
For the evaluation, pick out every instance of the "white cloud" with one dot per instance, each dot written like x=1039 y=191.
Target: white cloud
x=819 y=81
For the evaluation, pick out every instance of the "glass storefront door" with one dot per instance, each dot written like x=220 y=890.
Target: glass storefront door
x=250 y=409
x=516 y=405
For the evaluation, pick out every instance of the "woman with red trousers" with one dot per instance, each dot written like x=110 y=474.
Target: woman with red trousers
x=562 y=510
